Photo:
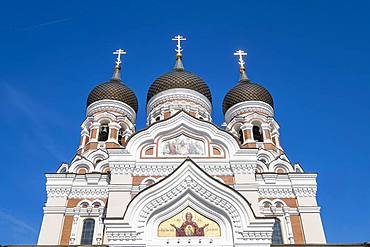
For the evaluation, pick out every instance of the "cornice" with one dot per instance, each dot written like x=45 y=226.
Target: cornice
x=107 y=105
x=248 y=106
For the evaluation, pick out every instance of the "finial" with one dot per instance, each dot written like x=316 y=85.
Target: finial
x=179 y=38
x=117 y=68
x=178 y=50
x=240 y=53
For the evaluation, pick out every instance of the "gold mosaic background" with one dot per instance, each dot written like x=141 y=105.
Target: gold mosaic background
x=166 y=230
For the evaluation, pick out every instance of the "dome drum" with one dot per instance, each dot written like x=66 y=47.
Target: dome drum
x=179 y=99
x=108 y=105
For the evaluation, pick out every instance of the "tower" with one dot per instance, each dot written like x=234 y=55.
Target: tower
x=182 y=180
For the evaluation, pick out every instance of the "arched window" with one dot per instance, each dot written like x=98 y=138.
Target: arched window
x=103 y=133
x=241 y=137
x=277 y=237
x=87 y=231
x=120 y=136
x=158 y=118
x=149 y=182
x=64 y=170
x=257 y=133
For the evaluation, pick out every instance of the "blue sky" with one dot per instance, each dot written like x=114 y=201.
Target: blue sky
x=313 y=56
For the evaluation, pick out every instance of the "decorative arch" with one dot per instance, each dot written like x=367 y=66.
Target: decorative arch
x=280 y=163
x=82 y=163
x=182 y=121
x=63 y=168
x=190 y=185
x=96 y=155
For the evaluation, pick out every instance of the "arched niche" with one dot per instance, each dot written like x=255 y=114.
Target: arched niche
x=190 y=203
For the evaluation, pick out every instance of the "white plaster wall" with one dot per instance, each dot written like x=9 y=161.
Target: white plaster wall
x=51 y=229
x=312 y=228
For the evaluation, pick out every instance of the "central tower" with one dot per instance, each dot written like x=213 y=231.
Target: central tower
x=178 y=90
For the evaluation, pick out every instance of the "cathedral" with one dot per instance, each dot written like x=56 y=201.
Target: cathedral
x=182 y=180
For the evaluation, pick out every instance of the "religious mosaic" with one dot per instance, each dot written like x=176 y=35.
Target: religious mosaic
x=189 y=223
x=182 y=145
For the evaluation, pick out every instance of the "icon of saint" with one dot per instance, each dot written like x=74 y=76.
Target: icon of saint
x=189 y=227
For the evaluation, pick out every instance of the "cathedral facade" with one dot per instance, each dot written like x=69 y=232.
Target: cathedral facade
x=182 y=180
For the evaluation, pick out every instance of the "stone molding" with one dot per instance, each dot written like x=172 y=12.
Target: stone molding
x=305 y=191
x=243 y=168
x=189 y=183
x=166 y=169
x=89 y=193
x=275 y=192
x=178 y=94
x=248 y=106
x=107 y=105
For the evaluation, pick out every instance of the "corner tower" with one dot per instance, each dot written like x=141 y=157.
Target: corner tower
x=110 y=113
x=178 y=90
x=249 y=113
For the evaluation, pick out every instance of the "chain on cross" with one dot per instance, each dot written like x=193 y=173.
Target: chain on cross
x=179 y=38
x=119 y=52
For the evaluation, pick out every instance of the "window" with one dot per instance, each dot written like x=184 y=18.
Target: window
x=87 y=231
x=279 y=204
x=149 y=182
x=103 y=133
x=257 y=133
x=267 y=204
x=241 y=137
x=120 y=136
x=277 y=237
x=158 y=118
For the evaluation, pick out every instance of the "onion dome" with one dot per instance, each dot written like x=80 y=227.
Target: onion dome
x=246 y=90
x=179 y=78
x=114 y=89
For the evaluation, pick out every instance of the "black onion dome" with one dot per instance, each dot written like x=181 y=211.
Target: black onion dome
x=179 y=78
x=246 y=90
x=114 y=90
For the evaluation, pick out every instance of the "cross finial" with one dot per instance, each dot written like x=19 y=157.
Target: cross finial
x=240 y=53
x=179 y=38
x=119 y=52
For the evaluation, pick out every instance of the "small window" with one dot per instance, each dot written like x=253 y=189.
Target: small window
x=120 y=136
x=103 y=133
x=96 y=204
x=279 y=204
x=84 y=205
x=158 y=118
x=87 y=231
x=257 y=133
x=267 y=204
x=64 y=170
x=277 y=237
x=280 y=170
x=241 y=137
x=149 y=182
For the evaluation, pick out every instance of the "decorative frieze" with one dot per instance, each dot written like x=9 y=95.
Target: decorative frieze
x=89 y=192
x=305 y=191
x=58 y=192
x=256 y=236
x=275 y=192
x=243 y=168
x=122 y=236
